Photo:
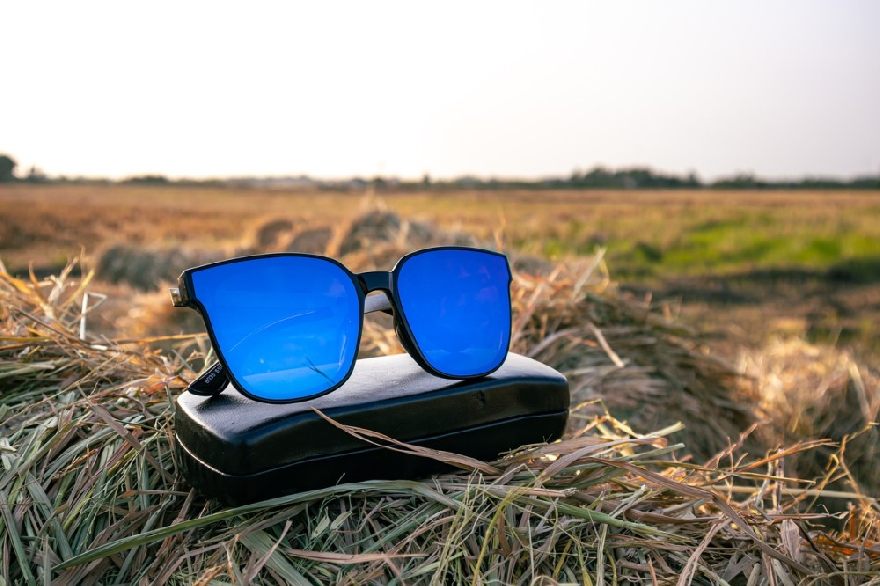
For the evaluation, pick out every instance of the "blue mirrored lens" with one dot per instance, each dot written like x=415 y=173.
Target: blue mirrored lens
x=287 y=326
x=457 y=305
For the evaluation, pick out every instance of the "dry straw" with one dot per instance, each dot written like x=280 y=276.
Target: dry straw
x=810 y=391
x=89 y=489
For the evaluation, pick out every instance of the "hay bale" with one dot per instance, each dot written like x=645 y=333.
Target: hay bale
x=381 y=227
x=370 y=228
x=146 y=269
x=629 y=359
x=811 y=392
x=379 y=257
x=311 y=241
x=152 y=314
x=269 y=235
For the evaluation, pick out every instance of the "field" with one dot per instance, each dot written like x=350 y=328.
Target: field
x=740 y=265
x=721 y=349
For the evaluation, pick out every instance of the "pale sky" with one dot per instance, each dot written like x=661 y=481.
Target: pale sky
x=404 y=88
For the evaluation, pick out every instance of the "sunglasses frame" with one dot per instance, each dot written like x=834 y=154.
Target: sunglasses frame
x=364 y=284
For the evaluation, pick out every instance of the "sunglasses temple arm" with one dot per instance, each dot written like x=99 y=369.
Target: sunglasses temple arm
x=211 y=382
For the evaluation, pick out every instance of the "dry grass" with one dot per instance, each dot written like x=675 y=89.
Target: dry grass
x=810 y=391
x=89 y=490
x=641 y=365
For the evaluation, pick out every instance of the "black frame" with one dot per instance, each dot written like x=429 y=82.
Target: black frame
x=214 y=379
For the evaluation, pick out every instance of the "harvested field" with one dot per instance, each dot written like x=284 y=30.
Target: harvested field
x=743 y=264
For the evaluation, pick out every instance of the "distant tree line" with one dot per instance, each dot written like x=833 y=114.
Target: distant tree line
x=148 y=180
x=748 y=181
x=637 y=178
x=595 y=178
x=7 y=172
x=634 y=178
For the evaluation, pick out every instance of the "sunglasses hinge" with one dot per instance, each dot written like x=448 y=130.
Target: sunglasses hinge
x=179 y=295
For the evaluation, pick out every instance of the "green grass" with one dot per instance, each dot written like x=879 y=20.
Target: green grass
x=744 y=242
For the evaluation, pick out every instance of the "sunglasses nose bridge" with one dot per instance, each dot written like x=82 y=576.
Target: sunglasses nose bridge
x=375 y=281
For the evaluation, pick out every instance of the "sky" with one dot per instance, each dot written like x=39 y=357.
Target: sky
x=517 y=89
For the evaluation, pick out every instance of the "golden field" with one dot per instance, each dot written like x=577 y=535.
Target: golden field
x=740 y=264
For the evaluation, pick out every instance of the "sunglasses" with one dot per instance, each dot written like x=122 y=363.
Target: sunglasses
x=286 y=327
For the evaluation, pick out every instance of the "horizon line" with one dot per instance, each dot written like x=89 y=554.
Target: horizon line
x=480 y=177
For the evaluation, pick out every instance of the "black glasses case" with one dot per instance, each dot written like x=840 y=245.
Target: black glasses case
x=239 y=450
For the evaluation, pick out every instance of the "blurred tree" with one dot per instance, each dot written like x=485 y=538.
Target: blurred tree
x=148 y=179
x=35 y=175
x=7 y=169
